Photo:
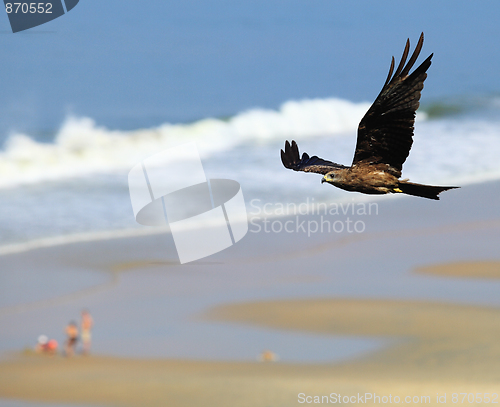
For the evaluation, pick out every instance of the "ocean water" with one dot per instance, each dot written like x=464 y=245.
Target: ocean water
x=88 y=95
x=77 y=183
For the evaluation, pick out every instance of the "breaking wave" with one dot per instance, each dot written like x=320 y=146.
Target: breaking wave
x=456 y=148
x=82 y=147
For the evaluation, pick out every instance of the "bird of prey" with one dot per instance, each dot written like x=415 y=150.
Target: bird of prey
x=385 y=136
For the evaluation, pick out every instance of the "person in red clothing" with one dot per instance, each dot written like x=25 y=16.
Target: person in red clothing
x=44 y=345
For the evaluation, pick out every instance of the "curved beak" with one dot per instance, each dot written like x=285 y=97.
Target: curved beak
x=323 y=180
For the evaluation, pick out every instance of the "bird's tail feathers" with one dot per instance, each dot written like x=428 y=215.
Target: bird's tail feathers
x=424 y=191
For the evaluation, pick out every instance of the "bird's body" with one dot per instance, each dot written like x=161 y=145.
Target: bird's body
x=373 y=180
x=385 y=137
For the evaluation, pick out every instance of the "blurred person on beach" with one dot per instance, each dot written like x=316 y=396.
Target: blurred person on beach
x=86 y=325
x=72 y=338
x=44 y=345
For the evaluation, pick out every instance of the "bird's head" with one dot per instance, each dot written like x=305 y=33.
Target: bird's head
x=329 y=177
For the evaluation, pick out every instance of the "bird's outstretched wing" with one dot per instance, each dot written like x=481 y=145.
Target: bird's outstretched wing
x=291 y=159
x=385 y=134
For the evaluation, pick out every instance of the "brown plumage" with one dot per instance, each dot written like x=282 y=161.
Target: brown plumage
x=385 y=136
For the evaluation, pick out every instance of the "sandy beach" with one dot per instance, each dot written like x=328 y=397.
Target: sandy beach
x=421 y=281
x=438 y=348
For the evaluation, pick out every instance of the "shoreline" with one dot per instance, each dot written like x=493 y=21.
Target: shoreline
x=111 y=234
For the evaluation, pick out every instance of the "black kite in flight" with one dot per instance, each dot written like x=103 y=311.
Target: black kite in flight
x=385 y=136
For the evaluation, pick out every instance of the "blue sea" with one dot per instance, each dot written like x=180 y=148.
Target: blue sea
x=86 y=96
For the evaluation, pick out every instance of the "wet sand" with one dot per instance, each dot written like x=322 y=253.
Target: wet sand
x=476 y=269
x=431 y=340
x=442 y=333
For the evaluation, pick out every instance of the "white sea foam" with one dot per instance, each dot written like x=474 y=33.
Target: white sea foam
x=454 y=149
x=459 y=151
x=15 y=248
x=82 y=147
x=61 y=240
